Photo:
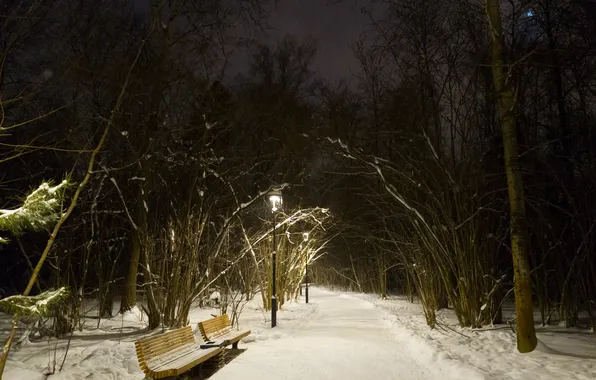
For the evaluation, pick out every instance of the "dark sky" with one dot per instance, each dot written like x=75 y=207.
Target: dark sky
x=333 y=25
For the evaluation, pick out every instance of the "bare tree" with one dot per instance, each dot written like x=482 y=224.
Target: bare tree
x=524 y=307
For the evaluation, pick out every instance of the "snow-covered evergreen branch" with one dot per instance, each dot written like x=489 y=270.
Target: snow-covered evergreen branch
x=39 y=211
x=41 y=305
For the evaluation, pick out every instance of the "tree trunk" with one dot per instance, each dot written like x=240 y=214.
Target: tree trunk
x=152 y=309
x=129 y=298
x=526 y=335
x=106 y=307
x=443 y=301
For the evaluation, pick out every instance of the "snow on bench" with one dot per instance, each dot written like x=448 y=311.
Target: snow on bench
x=220 y=329
x=172 y=353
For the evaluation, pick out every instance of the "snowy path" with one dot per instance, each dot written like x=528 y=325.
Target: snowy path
x=344 y=338
x=337 y=336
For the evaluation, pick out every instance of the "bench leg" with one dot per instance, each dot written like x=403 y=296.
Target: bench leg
x=235 y=345
x=222 y=359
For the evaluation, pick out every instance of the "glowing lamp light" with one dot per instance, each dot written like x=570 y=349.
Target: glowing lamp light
x=276 y=201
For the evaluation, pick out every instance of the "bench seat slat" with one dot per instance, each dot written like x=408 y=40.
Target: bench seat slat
x=218 y=333
x=190 y=357
x=220 y=328
x=233 y=336
x=163 y=360
x=171 y=353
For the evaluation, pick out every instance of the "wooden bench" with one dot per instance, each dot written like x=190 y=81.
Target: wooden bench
x=220 y=329
x=172 y=353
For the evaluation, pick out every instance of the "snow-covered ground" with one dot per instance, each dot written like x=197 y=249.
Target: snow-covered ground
x=490 y=353
x=342 y=337
x=338 y=335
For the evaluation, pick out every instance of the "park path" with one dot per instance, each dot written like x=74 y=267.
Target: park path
x=343 y=338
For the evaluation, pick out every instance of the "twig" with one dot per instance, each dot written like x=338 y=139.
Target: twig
x=73 y=203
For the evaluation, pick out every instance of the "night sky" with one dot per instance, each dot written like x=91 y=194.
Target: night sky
x=333 y=25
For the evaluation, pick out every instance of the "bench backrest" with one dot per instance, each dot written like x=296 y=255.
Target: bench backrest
x=158 y=345
x=215 y=326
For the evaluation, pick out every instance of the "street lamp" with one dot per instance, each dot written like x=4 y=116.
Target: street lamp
x=305 y=237
x=310 y=251
x=276 y=203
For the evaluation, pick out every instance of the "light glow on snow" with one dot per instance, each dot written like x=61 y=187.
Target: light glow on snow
x=338 y=335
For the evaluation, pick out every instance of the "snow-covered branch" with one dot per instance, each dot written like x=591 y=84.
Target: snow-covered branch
x=39 y=211
x=40 y=305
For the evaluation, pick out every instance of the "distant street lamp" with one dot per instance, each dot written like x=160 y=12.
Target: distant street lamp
x=276 y=203
x=306 y=274
x=305 y=237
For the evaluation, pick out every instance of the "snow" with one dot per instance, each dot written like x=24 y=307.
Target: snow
x=490 y=353
x=334 y=337
x=338 y=335
x=215 y=296
x=133 y=316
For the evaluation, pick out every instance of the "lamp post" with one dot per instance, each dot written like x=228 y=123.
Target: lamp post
x=305 y=237
x=306 y=274
x=276 y=203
